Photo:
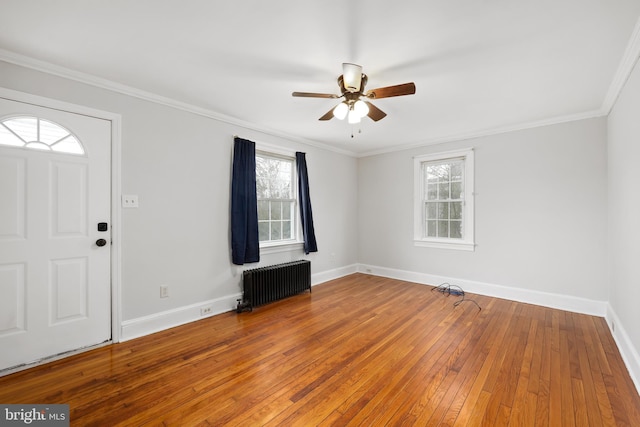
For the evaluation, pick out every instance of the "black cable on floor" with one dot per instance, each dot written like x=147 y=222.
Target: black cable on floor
x=447 y=289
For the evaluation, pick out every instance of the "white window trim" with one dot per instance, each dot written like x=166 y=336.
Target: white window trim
x=468 y=242
x=297 y=242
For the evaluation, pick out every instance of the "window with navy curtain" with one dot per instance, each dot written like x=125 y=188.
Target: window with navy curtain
x=306 y=216
x=245 y=247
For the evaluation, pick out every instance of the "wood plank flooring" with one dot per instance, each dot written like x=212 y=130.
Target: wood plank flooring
x=357 y=351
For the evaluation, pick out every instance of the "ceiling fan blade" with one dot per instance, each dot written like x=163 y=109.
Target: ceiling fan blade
x=374 y=112
x=327 y=116
x=314 y=95
x=389 y=91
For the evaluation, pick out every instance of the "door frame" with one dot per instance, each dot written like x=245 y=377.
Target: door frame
x=116 y=189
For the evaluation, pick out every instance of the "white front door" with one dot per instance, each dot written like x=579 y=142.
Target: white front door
x=55 y=272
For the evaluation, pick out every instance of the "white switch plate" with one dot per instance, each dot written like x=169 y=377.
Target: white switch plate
x=130 y=201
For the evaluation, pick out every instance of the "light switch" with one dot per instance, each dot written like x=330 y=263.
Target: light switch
x=130 y=201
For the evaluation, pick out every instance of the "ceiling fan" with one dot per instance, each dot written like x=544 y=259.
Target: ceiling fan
x=356 y=101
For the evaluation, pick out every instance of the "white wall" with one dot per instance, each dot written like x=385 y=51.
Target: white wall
x=624 y=217
x=179 y=164
x=540 y=213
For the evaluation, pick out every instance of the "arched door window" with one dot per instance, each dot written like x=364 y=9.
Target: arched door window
x=38 y=134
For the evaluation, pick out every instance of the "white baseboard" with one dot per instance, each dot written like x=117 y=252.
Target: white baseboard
x=561 y=302
x=627 y=350
x=336 y=273
x=141 y=326
x=157 y=322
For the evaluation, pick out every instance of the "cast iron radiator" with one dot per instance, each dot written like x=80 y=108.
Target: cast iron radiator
x=267 y=284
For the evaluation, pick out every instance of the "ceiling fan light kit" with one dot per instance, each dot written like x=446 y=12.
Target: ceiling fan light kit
x=356 y=105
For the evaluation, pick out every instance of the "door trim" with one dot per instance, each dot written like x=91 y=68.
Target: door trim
x=116 y=189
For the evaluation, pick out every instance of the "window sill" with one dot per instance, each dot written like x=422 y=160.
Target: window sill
x=445 y=244
x=272 y=248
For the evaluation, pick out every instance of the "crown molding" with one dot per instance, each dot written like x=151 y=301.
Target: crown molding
x=479 y=133
x=625 y=68
x=49 y=68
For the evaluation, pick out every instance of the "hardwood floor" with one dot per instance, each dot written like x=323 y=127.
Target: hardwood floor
x=362 y=351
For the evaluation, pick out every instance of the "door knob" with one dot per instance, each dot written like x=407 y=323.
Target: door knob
x=101 y=242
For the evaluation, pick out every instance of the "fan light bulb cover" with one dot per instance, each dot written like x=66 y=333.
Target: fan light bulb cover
x=361 y=108
x=341 y=110
x=352 y=76
x=353 y=117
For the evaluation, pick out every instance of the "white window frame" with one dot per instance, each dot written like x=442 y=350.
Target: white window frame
x=295 y=242
x=467 y=242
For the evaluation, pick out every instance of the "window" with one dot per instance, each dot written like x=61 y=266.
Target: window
x=38 y=134
x=276 y=193
x=443 y=201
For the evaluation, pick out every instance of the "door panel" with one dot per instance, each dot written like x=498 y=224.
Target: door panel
x=55 y=282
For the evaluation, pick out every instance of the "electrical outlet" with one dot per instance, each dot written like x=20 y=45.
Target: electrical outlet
x=164 y=291
x=129 y=201
x=205 y=311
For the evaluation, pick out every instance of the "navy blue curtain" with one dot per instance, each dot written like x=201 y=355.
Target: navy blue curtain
x=306 y=216
x=244 y=205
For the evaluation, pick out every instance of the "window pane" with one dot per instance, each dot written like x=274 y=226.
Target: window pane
x=455 y=229
x=286 y=230
x=276 y=210
x=455 y=210
x=276 y=230
x=68 y=145
x=262 y=188
x=287 y=208
x=443 y=190
x=443 y=210
x=263 y=210
x=432 y=210
x=438 y=172
x=432 y=191
x=443 y=228
x=7 y=138
x=263 y=231
x=38 y=146
x=51 y=132
x=456 y=190
x=432 y=229
x=25 y=127
x=456 y=171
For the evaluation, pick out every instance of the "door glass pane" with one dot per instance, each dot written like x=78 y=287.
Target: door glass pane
x=25 y=127
x=38 y=134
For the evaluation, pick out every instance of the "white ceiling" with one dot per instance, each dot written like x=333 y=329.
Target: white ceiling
x=479 y=65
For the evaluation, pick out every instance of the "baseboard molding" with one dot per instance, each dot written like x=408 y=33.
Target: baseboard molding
x=146 y=325
x=561 y=302
x=627 y=350
x=336 y=273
